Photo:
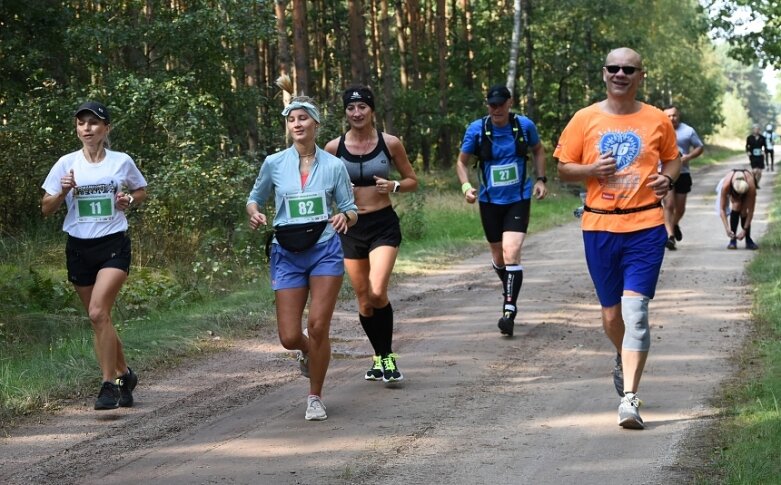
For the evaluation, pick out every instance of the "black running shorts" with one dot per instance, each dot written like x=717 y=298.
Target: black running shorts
x=757 y=162
x=498 y=218
x=85 y=257
x=375 y=229
x=684 y=184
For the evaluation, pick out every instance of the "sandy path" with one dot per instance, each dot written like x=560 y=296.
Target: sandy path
x=475 y=407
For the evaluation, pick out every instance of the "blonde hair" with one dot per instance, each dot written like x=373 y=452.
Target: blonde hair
x=740 y=185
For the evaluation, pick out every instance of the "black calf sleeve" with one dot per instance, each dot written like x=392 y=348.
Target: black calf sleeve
x=734 y=216
x=384 y=324
x=373 y=331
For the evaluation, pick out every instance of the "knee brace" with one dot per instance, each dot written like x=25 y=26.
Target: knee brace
x=637 y=333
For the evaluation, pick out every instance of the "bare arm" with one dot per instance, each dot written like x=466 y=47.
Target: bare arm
x=409 y=181
x=470 y=194
x=538 y=151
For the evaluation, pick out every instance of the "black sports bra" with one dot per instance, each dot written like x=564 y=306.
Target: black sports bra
x=363 y=168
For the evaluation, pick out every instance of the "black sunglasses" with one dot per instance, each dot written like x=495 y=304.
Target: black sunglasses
x=628 y=70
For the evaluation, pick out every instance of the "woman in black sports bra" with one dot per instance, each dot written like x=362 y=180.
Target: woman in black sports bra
x=371 y=246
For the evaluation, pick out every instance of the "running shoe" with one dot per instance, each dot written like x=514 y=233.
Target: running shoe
x=108 y=398
x=506 y=323
x=670 y=244
x=628 y=414
x=315 y=409
x=303 y=363
x=750 y=244
x=618 y=376
x=376 y=372
x=390 y=372
x=677 y=232
x=127 y=383
x=733 y=244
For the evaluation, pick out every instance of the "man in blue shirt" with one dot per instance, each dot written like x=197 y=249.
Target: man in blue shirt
x=501 y=142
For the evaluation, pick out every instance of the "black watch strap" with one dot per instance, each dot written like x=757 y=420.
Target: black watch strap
x=543 y=178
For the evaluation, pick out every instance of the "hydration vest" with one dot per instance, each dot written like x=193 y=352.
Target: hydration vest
x=484 y=147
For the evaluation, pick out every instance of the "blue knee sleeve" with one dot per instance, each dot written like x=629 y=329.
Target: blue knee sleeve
x=637 y=334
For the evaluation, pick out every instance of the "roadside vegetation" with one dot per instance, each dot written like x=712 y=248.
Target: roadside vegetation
x=749 y=447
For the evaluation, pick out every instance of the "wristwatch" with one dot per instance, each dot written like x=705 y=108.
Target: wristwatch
x=543 y=178
x=130 y=202
x=396 y=186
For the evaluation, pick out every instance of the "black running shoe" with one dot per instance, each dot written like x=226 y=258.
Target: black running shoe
x=677 y=232
x=126 y=384
x=670 y=243
x=108 y=398
x=376 y=372
x=391 y=372
x=506 y=323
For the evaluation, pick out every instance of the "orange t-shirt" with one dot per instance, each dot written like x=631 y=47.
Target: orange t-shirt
x=638 y=142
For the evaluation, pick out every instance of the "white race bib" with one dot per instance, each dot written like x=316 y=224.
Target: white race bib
x=95 y=207
x=502 y=175
x=306 y=207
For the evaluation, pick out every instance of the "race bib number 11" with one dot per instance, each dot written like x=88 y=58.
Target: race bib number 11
x=306 y=207
x=95 y=208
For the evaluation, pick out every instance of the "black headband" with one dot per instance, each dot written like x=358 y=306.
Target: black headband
x=353 y=95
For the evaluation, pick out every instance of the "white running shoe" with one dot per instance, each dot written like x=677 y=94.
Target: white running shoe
x=315 y=409
x=628 y=414
x=303 y=359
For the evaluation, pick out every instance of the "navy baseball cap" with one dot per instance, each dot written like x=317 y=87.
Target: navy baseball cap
x=498 y=94
x=98 y=109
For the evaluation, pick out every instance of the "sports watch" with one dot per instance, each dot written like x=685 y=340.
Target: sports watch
x=396 y=186
x=543 y=178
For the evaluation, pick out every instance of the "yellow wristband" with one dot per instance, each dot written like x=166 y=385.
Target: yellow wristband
x=465 y=187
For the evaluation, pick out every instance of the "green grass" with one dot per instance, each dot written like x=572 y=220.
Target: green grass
x=750 y=448
x=715 y=153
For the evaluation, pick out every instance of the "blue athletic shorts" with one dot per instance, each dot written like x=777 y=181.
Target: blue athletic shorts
x=292 y=270
x=624 y=261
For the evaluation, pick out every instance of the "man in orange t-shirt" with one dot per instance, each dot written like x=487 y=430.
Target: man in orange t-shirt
x=615 y=146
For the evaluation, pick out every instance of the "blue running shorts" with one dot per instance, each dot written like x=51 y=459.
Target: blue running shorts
x=624 y=261
x=292 y=270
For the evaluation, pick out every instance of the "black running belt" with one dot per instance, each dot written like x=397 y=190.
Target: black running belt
x=623 y=211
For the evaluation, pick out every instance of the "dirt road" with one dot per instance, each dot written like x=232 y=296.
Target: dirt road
x=475 y=407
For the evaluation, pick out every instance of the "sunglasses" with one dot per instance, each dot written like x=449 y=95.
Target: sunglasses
x=628 y=70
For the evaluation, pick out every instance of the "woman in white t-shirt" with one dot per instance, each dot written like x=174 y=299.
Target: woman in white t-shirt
x=98 y=186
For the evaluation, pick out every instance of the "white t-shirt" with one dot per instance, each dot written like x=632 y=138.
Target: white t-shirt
x=91 y=205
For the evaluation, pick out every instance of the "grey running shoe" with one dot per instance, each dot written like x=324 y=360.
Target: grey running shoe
x=507 y=323
x=303 y=363
x=303 y=359
x=628 y=414
x=618 y=376
x=126 y=385
x=108 y=397
x=391 y=372
x=376 y=372
x=315 y=409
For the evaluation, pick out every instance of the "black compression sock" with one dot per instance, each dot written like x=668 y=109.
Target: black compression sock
x=372 y=328
x=513 y=286
x=384 y=323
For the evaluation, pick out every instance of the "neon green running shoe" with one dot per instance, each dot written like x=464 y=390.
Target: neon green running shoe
x=390 y=372
x=376 y=372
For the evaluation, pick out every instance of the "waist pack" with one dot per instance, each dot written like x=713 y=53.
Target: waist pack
x=297 y=238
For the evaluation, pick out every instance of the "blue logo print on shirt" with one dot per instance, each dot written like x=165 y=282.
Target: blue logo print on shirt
x=625 y=147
